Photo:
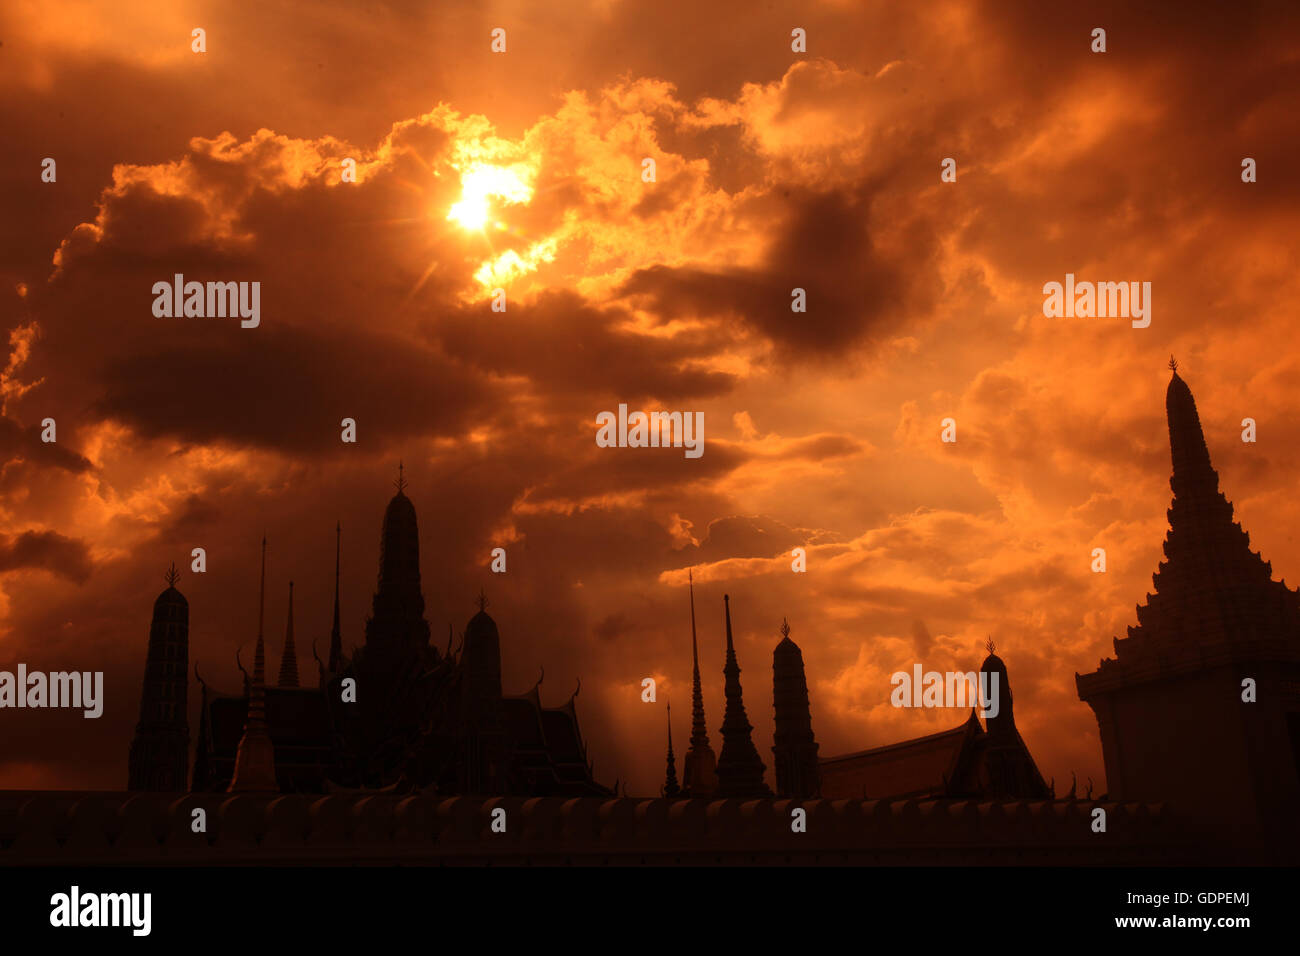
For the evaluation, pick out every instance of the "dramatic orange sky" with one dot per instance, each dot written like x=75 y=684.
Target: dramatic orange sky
x=775 y=170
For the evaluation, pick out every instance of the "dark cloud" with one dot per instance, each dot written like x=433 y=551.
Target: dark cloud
x=826 y=245
x=48 y=551
x=580 y=356
x=25 y=443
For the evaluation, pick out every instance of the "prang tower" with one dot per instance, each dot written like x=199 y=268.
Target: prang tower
x=794 y=746
x=159 y=754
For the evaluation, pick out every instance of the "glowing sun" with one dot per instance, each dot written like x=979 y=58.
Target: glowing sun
x=479 y=185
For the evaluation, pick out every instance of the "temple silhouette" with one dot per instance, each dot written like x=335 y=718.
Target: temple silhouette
x=970 y=761
x=1216 y=648
x=400 y=750
x=398 y=715
x=989 y=762
x=1201 y=703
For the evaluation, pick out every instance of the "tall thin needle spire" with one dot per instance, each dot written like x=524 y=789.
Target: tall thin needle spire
x=255 y=758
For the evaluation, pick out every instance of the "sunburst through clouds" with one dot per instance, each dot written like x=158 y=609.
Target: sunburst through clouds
x=482 y=184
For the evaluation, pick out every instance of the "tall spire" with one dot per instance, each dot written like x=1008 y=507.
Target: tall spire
x=699 y=731
x=255 y=759
x=289 y=662
x=671 y=789
x=1211 y=588
x=699 y=774
x=740 y=769
x=1215 y=615
x=159 y=754
x=1191 y=459
x=794 y=750
x=336 y=633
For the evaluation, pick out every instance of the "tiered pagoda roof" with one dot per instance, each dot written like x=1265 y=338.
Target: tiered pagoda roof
x=1214 y=597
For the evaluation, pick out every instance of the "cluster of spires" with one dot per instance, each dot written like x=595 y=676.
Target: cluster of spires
x=255 y=758
x=738 y=771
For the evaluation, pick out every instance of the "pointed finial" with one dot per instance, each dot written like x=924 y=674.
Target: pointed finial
x=1173 y=364
x=482 y=600
x=785 y=628
x=172 y=575
x=401 y=477
x=989 y=645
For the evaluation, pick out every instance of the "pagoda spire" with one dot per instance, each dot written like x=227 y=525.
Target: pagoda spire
x=1191 y=459
x=159 y=754
x=1211 y=588
x=671 y=789
x=1214 y=615
x=255 y=758
x=336 y=633
x=699 y=774
x=289 y=662
x=740 y=769
x=397 y=627
x=794 y=751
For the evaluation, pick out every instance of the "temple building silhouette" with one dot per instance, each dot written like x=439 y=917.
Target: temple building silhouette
x=989 y=762
x=401 y=749
x=1201 y=703
x=398 y=715
x=971 y=761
